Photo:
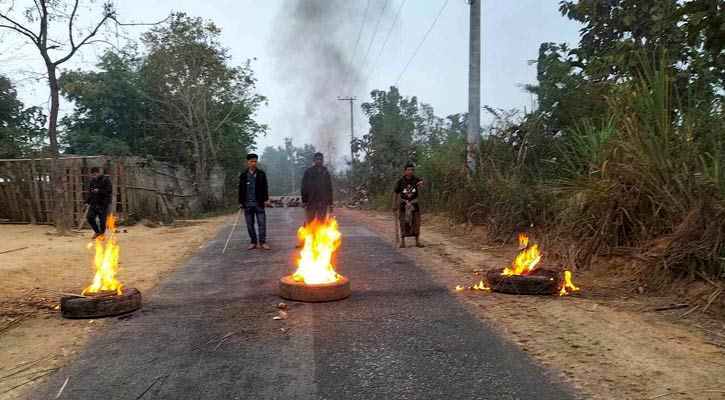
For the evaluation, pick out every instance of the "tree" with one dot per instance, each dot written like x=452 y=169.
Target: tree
x=566 y=96
x=389 y=143
x=617 y=33
x=286 y=165
x=200 y=106
x=109 y=112
x=46 y=15
x=21 y=130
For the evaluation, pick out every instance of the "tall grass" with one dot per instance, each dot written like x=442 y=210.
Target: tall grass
x=650 y=179
x=649 y=182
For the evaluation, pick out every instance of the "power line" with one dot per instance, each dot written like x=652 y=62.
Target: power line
x=421 y=43
x=377 y=58
x=354 y=50
x=382 y=12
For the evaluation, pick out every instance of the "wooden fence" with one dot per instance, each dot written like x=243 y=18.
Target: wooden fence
x=140 y=186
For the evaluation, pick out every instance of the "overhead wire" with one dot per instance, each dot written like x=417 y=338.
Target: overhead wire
x=372 y=40
x=354 y=50
x=319 y=121
x=377 y=58
x=421 y=43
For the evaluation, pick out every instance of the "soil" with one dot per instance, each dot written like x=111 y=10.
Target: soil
x=34 y=339
x=607 y=340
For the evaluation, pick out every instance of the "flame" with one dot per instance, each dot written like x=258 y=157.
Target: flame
x=479 y=286
x=321 y=240
x=105 y=262
x=567 y=285
x=527 y=260
x=482 y=286
x=523 y=240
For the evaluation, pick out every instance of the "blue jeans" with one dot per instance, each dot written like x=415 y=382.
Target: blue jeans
x=249 y=213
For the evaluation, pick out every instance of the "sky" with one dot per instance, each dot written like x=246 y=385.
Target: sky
x=303 y=61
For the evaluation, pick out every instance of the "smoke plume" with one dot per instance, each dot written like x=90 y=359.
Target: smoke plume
x=312 y=45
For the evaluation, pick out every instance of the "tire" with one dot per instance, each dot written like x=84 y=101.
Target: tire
x=314 y=293
x=542 y=281
x=100 y=306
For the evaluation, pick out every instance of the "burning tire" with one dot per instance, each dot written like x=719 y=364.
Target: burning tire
x=105 y=305
x=299 y=291
x=540 y=281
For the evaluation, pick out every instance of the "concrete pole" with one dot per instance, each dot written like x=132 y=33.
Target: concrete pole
x=474 y=86
x=352 y=131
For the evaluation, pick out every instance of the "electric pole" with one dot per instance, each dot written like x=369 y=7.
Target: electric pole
x=474 y=85
x=352 y=131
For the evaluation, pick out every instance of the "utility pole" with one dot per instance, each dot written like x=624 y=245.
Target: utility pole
x=474 y=85
x=352 y=132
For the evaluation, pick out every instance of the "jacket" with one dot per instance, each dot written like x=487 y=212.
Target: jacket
x=317 y=186
x=105 y=189
x=260 y=188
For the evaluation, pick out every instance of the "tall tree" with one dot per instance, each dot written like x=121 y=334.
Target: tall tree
x=201 y=106
x=685 y=36
x=21 y=129
x=42 y=19
x=389 y=143
x=109 y=108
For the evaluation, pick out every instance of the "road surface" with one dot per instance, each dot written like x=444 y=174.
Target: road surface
x=207 y=332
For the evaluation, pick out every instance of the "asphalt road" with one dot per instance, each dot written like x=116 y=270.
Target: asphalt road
x=207 y=332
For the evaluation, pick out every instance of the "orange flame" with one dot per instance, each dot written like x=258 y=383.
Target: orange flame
x=479 y=286
x=482 y=286
x=105 y=262
x=523 y=240
x=526 y=261
x=321 y=241
x=567 y=286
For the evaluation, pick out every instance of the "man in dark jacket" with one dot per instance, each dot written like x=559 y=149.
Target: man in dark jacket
x=99 y=197
x=317 y=191
x=253 y=194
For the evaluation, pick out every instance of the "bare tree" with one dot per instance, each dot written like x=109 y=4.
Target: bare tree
x=54 y=52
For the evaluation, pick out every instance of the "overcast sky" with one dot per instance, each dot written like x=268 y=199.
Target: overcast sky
x=292 y=76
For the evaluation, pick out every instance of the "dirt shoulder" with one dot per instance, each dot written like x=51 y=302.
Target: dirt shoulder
x=608 y=342
x=34 y=339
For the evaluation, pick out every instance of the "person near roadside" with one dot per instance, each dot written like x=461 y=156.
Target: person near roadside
x=405 y=204
x=253 y=195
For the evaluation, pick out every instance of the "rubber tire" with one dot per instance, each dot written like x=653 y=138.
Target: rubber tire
x=101 y=306
x=314 y=293
x=541 y=283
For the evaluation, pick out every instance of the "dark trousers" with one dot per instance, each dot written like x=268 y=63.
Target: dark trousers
x=97 y=211
x=315 y=212
x=249 y=214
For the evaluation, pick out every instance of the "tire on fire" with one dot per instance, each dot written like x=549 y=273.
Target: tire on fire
x=100 y=306
x=541 y=281
x=299 y=291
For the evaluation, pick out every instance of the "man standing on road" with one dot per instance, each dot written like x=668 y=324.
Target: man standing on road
x=99 y=197
x=253 y=194
x=317 y=191
x=405 y=202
